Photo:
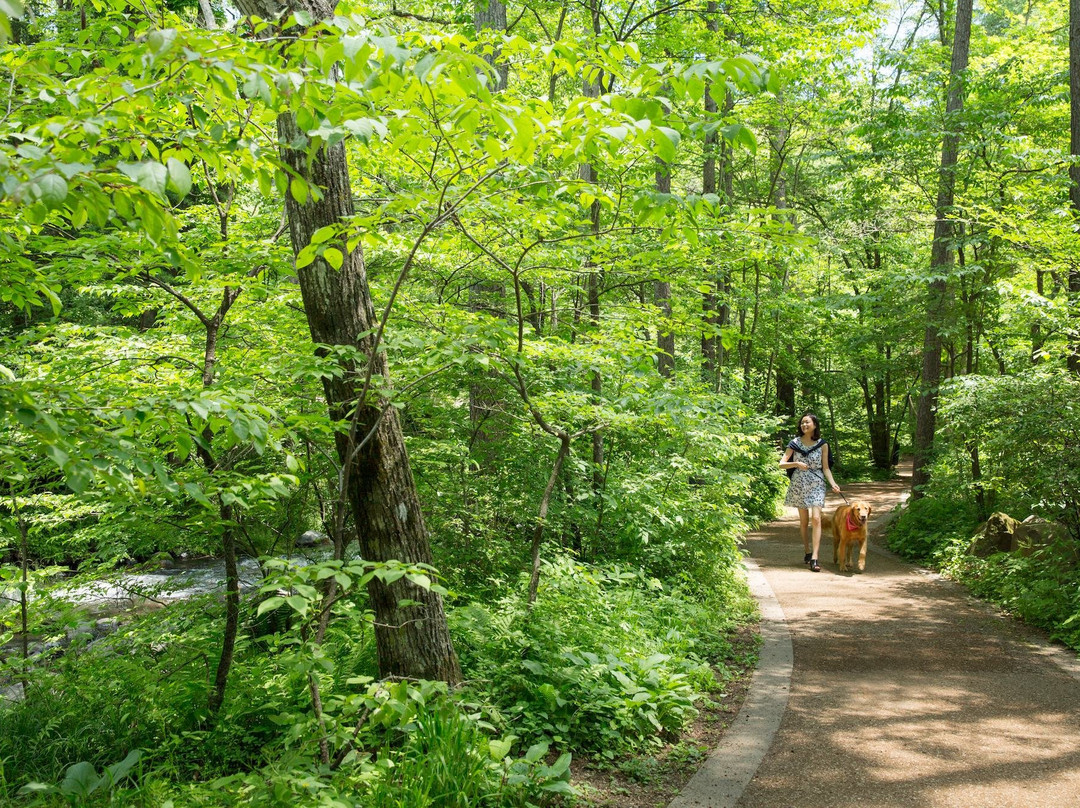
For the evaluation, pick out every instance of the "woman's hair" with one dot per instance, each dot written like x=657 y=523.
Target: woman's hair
x=817 y=424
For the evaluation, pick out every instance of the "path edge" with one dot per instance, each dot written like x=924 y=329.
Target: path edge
x=730 y=767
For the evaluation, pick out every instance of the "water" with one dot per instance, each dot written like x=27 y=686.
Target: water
x=180 y=581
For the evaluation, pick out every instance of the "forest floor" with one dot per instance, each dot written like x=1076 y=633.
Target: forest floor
x=652 y=780
x=902 y=689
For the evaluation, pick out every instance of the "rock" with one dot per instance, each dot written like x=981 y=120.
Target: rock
x=310 y=538
x=82 y=634
x=1037 y=534
x=1003 y=534
x=996 y=535
x=105 y=626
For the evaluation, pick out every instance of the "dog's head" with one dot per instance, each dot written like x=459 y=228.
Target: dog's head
x=859 y=512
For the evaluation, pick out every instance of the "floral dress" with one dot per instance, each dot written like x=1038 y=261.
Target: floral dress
x=807 y=488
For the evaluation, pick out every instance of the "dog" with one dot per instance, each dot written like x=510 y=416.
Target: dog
x=849 y=531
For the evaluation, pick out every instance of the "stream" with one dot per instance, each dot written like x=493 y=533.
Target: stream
x=107 y=598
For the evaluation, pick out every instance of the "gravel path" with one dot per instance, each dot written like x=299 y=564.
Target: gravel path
x=904 y=690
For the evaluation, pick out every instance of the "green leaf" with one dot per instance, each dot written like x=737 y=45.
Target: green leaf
x=334 y=257
x=58 y=455
x=560 y=766
x=197 y=494
x=118 y=771
x=323 y=234
x=299 y=190
x=149 y=175
x=80 y=780
x=179 y=176
x=11 y=8
x=78 y=478
x=420 y=580
x=536 y=752
x=667 y=141
x=269 y=605
x=298 y=604
x=53 y=189
x=161 y=40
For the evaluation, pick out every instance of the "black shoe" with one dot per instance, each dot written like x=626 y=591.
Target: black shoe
x=814 y=566
x=806 y=559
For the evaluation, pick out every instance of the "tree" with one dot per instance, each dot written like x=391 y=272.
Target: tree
x=1074 y=175
x=941 y=258
x=412 y=641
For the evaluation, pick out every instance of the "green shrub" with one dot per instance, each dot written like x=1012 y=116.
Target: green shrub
x=606 y=660
x=928 y=525
x=1027 y=432
x=1042 y=588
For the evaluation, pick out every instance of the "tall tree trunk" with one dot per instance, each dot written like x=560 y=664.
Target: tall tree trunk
x=587 y=173
x=491 y=14
x=1074 y=176
x=483 y=401
x=723 y=284
x=205 y=451
x=206 y=11
x=876 y=420
x=941 y=255
x=1036 y=329
x=710 y=343
x=412 y=641
x=785 y=383
x=665 y=337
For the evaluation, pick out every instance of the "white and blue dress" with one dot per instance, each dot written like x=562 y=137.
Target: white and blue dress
x=807 y=488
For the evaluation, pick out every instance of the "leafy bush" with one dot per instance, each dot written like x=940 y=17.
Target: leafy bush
x=927 y=526
x=145 y=687
x=1042 y=588
x=606 y=660
x=1027 y=432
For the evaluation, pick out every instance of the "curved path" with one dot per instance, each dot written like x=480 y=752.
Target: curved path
x=891 y=688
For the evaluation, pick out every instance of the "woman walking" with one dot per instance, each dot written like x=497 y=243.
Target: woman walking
x=808 y=455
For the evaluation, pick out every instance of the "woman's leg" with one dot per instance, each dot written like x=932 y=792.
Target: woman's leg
x=815 y=523
x=804 y=528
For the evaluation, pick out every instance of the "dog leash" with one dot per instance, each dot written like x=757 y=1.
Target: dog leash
x=820 y=475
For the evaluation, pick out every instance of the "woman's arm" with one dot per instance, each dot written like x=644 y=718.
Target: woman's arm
x=826 y=469
x=787 y=463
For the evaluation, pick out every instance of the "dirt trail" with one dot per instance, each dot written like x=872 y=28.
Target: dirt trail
x=905 y=691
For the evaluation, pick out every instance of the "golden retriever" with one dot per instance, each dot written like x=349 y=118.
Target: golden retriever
x=849 y=531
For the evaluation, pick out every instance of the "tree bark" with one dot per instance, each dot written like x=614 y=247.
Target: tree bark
x=413 y=641
x=587 y=173
x=541 y=519
x=491 y=14
x=941 y=258
x=212 y=464
x=665 y=337
x=206 y=11
x=1074 y=175
x=877 y=421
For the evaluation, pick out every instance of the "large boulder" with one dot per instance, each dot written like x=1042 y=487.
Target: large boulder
x=310 y=538
x=1003 y=534
x=996 y=535
x=1037 y=534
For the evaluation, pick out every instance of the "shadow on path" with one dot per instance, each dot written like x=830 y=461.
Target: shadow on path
x=907 y=692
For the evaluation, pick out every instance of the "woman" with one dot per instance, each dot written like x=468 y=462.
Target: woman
x=807 y=488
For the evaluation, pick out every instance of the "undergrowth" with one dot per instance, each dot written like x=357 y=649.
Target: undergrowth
x=608 y=660
x=1041 y=587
